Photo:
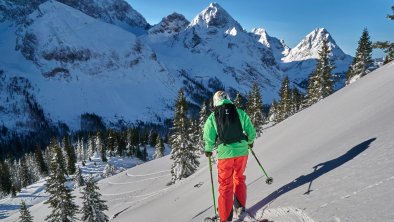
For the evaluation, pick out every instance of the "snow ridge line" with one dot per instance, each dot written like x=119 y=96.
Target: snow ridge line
x=142 y=175
x=125 y=183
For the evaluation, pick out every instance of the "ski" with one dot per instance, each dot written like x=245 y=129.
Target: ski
x=211 y=219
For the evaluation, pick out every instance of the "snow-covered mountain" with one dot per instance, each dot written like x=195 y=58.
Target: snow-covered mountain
x=167 y=27
x=84 y=56
x=330 y=162
x=117 y=12
x=278 y=47
x=301 y=60
x=78 y=64
x=214 y=52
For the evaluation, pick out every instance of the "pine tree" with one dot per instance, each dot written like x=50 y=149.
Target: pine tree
x=238 y=101
x=183 y=150
x=272 y=112
x=24 y=174
x=363 y=59
x=296 y=101
x=391 y=17
x=91 y=147
x=93 y=206
x=320 y=84
x=78 y=180
x=70 y=155
x=204 y=113
x=39 y=158
x=79 y=150
x=284 y=104
x=254 y=108
x=159 y=152
x=5 y=178
x=60 y=198
x=25 y=213
x=388 y=48
x=100 y=146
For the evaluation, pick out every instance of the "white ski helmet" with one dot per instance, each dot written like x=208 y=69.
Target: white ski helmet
x=219 y=96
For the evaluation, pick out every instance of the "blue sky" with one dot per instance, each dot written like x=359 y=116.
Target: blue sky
x=291 y=20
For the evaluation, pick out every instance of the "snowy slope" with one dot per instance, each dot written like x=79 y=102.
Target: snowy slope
x=330 y=162
x=78 y=64
x=301 y=60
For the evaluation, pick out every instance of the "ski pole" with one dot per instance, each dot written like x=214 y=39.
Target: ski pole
x=213 y=189
x=269 y=179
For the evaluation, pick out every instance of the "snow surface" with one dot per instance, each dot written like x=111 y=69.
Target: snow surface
x=330 y=162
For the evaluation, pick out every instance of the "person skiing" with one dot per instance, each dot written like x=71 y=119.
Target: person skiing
x=233 y=132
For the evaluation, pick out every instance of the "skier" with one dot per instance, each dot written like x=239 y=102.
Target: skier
x=233 y=132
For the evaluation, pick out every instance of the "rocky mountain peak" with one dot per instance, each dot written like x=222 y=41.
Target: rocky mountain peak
x=170 y=25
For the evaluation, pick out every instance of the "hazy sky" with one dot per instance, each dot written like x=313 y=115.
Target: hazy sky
x=291 y=20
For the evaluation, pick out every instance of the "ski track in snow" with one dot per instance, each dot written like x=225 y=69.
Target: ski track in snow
x=359 y=191
x=288 y=214
x=138 y=181
x=149 y=174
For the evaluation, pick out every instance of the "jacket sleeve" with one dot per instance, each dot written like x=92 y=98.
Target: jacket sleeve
x=210 y=133
x=248 y=127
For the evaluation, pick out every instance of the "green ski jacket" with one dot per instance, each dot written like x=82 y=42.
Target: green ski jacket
x=233 y=149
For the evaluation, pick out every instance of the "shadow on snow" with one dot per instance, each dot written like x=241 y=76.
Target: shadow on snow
x=319 y=170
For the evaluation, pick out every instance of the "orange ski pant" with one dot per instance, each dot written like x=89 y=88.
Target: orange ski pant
x=231 y=181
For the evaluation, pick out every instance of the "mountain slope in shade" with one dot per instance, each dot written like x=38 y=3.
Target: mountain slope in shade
x=301 y=60
x=78 y=64
x=117 y=12
x=168 y=27
x=215 y=52
x=330 y=162
x=278 y=47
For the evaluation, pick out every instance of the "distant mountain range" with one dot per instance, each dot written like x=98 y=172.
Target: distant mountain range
x=60 y=59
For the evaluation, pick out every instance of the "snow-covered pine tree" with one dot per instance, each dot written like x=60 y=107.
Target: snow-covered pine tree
x=79 y=150
x=109 y=170
x=25 y=213
x=254 y=108
x=183 y=150
x=363 y=59
x=159 y=152
x=91 y=147
x=40 y=162
x=204 y=113
x=70 y=155
x=93 y=206
x=272 y=112
x=100 y=147
x=238 y=101
x=60 y=199
x=284 y=104
x=78 y=179
x=320 y=82
x=111 y=140
x=296 y=100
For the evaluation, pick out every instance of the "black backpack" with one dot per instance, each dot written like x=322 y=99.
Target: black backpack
x=229 y=128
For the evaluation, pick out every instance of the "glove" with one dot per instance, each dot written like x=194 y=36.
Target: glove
x=208 y=154
x=250 y=145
